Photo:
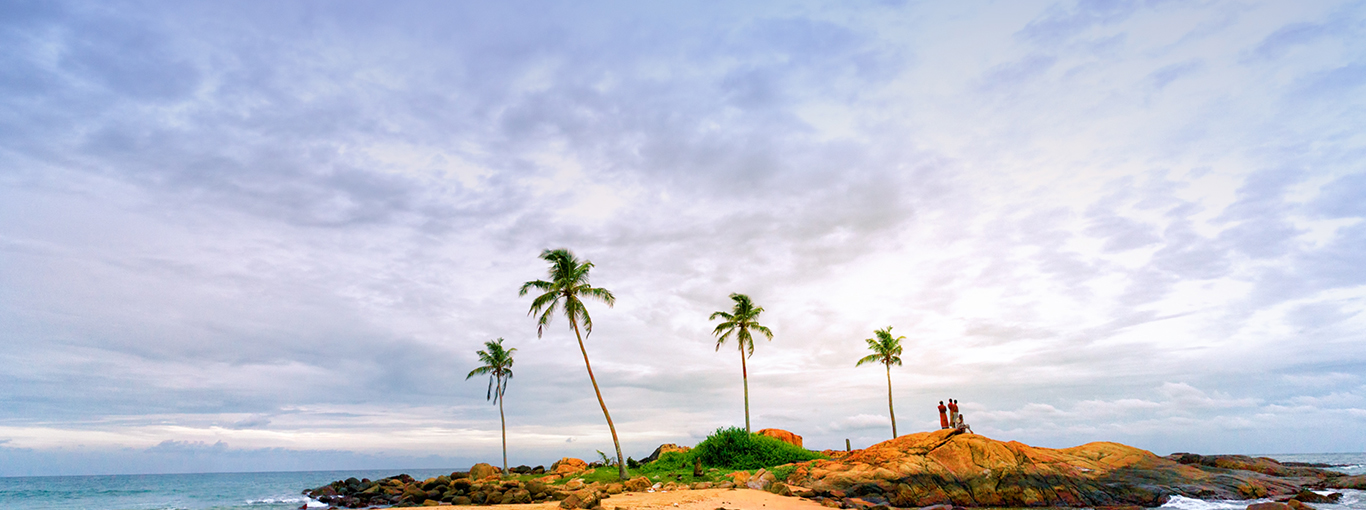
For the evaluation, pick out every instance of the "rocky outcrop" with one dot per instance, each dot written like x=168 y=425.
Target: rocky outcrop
x=663 y=449
x=781 y=435
x=949 y=467
x=568 y=466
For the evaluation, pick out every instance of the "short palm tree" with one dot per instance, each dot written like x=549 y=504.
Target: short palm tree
x=497 y=364
x=568 y=283
x=742 y=318
x=886 y=350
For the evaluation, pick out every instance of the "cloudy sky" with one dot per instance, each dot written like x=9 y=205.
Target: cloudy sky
x=242 y=236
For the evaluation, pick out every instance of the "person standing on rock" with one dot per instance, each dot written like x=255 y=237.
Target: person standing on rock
x=943 y=418
x=953 y=412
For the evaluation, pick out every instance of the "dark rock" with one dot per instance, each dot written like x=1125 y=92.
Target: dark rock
x=461 y=500
x=1268 y=506
x=538 y=470
x=1345 y=482
x=1308 y=496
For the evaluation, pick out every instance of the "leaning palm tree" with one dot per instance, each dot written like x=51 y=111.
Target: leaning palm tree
x=742 y=318
x=568 y=283
x=886 y=350
x=497 y=363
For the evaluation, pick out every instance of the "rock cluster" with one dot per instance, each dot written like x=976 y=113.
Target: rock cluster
x=951 y=468
x=463 y=488
x=458 y=489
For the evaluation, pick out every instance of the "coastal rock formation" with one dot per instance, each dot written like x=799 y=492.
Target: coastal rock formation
x=782 y=435
x=949 y=467
x=663 y=449
x=568 y=466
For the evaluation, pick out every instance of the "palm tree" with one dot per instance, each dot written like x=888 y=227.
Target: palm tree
x=740 y=321
x=568 y=283
x=886 y=350
x=497 y=363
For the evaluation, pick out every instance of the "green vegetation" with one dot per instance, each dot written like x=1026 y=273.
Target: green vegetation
x=734 y=448
x=743 y=317
x=568 y=283
x=669 y=462
x=886 y=350
x=497 y=364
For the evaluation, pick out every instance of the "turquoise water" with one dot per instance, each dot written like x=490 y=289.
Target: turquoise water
x=218 y=491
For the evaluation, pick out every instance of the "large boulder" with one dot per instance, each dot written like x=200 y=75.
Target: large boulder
x=761 y=480
x=568 y=466
x=637 y=484
x=584 y=498
x=950 y=467
x=483 y=470
x=781 y=435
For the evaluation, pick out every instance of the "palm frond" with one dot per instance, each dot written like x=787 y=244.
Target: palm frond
x=871 y=358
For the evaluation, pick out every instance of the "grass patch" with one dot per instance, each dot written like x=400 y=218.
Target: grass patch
x=735 y=449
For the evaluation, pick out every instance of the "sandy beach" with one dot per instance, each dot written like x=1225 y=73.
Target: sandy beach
x=706 y=499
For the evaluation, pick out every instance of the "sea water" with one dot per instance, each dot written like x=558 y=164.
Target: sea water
x=216 y=491
x=1349 y=463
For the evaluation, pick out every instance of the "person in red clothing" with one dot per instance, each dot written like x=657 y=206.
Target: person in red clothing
x=953 y=413
x=943 y=418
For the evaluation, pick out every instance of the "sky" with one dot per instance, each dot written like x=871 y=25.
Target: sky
x=258 y=236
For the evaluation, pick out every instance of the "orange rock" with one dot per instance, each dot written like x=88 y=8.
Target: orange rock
x=954 y=468
x=781 y=435
x=568 y=466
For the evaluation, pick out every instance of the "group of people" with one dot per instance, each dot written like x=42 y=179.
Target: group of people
x=952 y=419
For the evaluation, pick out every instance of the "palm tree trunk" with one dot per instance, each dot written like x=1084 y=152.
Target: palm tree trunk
x=889 y=400
x=621 y=461
x=744 y=372
x=505 y=430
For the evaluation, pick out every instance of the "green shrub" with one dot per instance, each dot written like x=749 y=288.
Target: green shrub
x=670 y=461
x=781 y=472
x=733 y=448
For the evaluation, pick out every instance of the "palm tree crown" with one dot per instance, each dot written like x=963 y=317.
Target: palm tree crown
x=568 y=283
x=497 y=364
x=742 y=318
x=886 y=350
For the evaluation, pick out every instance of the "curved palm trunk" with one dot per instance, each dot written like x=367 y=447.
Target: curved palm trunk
x=505 y=432
x=744 y=372
x=889 y=400
x=621 y=461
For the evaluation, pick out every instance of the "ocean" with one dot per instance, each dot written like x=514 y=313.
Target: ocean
x=204 y=491
x=281 y=491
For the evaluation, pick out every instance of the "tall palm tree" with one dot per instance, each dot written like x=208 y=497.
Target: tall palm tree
x=742 y=318
x=886 y=350
x=568 y=283
x=497 y=363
